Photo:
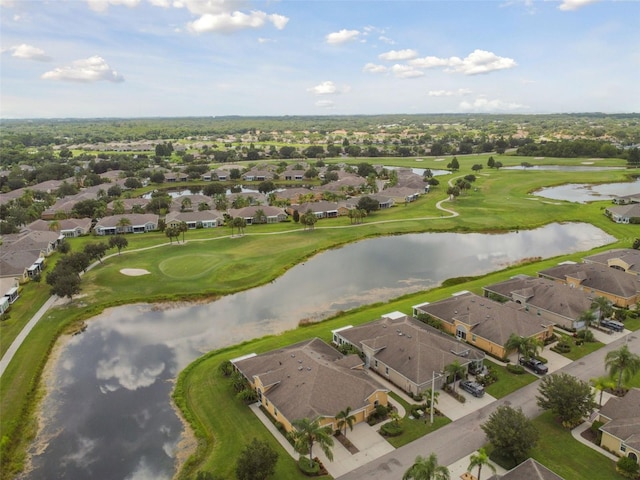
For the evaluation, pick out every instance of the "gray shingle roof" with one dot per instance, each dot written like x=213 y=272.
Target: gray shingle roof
x=530 y=469
x=597 y=277
x=310 y=379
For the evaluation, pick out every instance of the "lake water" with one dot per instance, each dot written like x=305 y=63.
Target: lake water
x=108 y=408
x=582 y=193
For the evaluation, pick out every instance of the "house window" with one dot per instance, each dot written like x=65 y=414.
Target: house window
x=386 y=370
x=473 y=338
x=461 y=333
x=623 y=447
x=275 y=412
x=375 y=363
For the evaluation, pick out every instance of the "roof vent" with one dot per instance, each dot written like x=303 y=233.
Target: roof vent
x=309 y=368
x=300 y=367
x=293 y=355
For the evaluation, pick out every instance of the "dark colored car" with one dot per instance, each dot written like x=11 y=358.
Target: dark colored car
x=613 y=325
x=534 y=364
x=473 y=388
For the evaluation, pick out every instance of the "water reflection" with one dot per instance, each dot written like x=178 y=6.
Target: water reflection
x=108 y=409
x=582 y=193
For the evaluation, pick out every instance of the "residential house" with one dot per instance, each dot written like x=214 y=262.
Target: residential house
x=198 y=219
x=130 y=223
x=247 y=197
x=407 y=352
x=321 y=209
x=311 y=380
x=484 y=323
x=621 y=429
x=188 y=202
x=629 y=213
x=598 y=280
x=130 y=204
x=22 y=255
x=402 y=195
x=272 y=214
x=625 y=259
x=255 y=175
x=293 y=175
x=530 y=469
x=296 y=195
x=553 y=302
x=627 y=199
x=68 y=227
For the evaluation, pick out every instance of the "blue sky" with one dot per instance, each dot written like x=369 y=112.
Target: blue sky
x=145 y=58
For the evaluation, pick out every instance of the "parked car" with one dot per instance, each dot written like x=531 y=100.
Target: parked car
x=534 y=364
x=613 y=325
x=474 y=388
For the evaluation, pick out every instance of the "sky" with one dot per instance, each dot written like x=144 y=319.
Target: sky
x=176 y=58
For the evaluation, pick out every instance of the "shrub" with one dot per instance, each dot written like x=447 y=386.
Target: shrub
x=391 y=429
x=627 y=467
x=309 y=470
x=515 y=369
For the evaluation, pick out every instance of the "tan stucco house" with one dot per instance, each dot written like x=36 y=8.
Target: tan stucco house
x=311 y=379
x=621 y=429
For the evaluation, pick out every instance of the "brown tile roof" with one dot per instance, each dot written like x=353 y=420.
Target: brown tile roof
x=310 y=379
x=629 y=256
x=622 y=407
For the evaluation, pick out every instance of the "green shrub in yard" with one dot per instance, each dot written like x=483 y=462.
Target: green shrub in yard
x=516 y=369
x=311 y=470
x=391 y=429
x=627 y=467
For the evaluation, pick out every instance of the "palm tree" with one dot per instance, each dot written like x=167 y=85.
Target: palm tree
x=623 y=364
x=123 y=223
x=525 y=346
x=587 y=317
x=54 y=226
x=455 y=370
x=309 y=432
x=601 y=384
x=345 y=419
x=426 y=468
x=186 y=204
x=480 y=460
x=182 y=228
x=604 y=306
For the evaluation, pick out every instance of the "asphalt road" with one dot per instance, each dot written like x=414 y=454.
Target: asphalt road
x=464 y=436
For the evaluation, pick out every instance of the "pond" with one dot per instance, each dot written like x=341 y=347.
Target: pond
x=582 y=193
x=108 y=411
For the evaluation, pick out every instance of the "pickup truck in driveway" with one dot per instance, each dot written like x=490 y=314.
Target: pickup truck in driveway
x=535 y=365
x=473 y=388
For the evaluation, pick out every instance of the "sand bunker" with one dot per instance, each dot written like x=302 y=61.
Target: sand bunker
x=134 y=272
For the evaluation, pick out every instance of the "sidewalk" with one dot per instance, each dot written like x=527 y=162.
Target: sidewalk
x=576 y=432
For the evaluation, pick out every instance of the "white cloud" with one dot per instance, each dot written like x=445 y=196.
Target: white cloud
x=395 y=55
x=325 y=103
x=29 y=52
x=482 y=104
x=386 y=40
x=234 y=21
x=570 y=5
x=127 y=374
x=449 y=93
x=477 y=62
x=406 y=71
x=430 y=62
x=103 y=5
x=91 y=69
x=373 y=68
x=325 y=88
x=343 y=36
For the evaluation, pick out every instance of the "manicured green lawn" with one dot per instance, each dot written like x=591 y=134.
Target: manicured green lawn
x=507 y=382
x=579 y=351
x=560 y=452
x=220 y=265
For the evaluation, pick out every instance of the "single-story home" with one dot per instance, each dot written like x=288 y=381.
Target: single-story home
x=621 y=429
x=321 y=209
x=68 y=227
x=407 y=352
x=553 y=302
x=198 y=219
x=629 y=213
x=598 y=280
x=129 y=223
x=311 y=380
x=625 y=259
x=272 y=214
x=484 y=323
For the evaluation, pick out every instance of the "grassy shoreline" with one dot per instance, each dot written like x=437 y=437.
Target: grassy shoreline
x=244 y=266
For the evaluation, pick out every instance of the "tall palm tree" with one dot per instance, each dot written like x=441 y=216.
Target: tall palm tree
x=623 y=364
x=455 y=370
x=123 y=223
x=601 y=384
x=345 y=419
x=426 y=468
x=54 y=226
x=587 y=317
x=604 y=306
x=186 y=204
x=525 y=346
x=480 y=459
x=308 y=433
x=182 y=228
